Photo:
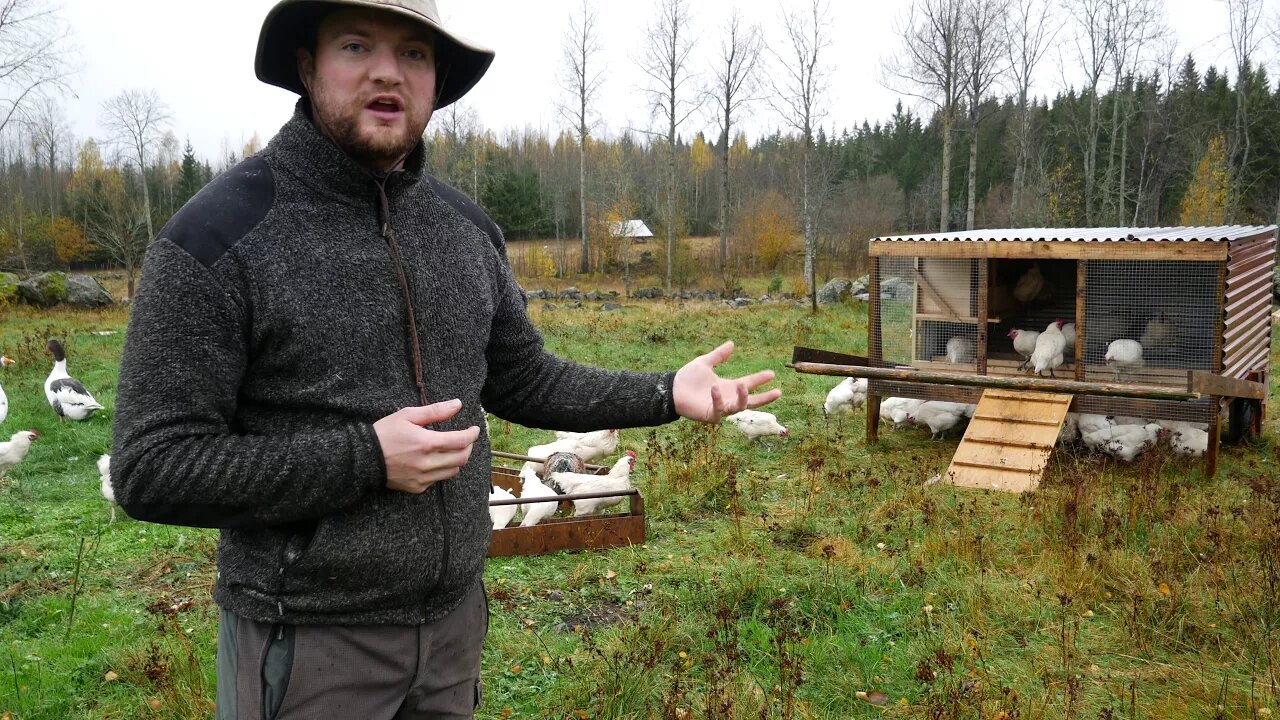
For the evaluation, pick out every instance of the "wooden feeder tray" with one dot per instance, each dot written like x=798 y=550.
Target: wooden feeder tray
x=590 y=532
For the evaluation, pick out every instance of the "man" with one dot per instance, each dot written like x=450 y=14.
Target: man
x=311 y=343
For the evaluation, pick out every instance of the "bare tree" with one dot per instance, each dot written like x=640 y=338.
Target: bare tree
x=1029 y=30
x=931 y=61
x=48 y=130
x=115 y=224
x=1093 y=47
x=581 y=78
x=984 y=64
x=34 y=49
x=735 y=82
x=666 y=63
x=1243 y=17
x=137 y=119
x=797 y=96
x=1133 y=27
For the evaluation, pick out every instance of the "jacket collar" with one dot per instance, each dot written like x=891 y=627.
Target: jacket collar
x=324 y=167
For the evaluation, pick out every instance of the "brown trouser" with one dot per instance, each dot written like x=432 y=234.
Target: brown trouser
x=295 y=672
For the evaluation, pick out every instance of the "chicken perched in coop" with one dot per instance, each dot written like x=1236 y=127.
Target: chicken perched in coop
x=959 y=350
x=1024 y=343
x=939 y=416
x=1091 y=423
x=532 y=487
x=846 y=397
x=65 y=394
x=501 y=514
x=12 y=452
x=4 y=400
x=1049 y=348
x=104 y=480
x=756 y=424
x=589 y=446
x=617 y=480
x=1032 y=287
x=898 y=410
x=1124 y=357
x=1189 y=441
x=1159 y=334
x=1069 y=334
x=1129 y=441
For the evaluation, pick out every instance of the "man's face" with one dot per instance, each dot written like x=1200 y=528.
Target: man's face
x=372 y=83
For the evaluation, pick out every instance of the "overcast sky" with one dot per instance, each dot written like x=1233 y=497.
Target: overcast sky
x=199 y=57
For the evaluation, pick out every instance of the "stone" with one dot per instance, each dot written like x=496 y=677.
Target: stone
x=86 y=291
x=896 y=288
x=649 y=293
x=593 y=296
x=9 y=294
x=44 y=290
x=571 y=293
x=610 y=307
x=742 y=302
x=548 y=307
x=834 y=292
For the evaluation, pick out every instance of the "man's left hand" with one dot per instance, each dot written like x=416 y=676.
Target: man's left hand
x=700 y=394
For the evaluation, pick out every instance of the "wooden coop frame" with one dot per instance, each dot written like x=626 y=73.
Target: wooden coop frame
x=1236 y=264
x=556 y=534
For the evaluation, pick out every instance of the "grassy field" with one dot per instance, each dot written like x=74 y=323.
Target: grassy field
x=777 y=581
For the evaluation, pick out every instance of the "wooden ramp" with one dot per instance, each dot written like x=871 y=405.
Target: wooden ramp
x=1008 y=442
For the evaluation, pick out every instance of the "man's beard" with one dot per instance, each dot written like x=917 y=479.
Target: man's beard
x=377 y=150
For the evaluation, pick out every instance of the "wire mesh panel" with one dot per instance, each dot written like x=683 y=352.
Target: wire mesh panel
x=1148 y=322
x=929 y=312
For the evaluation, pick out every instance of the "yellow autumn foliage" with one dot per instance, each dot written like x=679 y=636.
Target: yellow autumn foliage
x=1206 y=200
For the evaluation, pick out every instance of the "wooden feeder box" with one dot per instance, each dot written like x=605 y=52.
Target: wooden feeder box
x=554 y=534
x=1198 y=298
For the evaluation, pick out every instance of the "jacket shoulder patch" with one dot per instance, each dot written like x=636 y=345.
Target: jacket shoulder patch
x=223 y=212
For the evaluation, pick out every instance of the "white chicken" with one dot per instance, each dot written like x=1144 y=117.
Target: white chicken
x=898 y=410
x=501 y=514
x=959 y=350
x=939 y=416
x=617 y=480
x=65 y=394
x=1124 y=357
x=1024 y=343
x=1176 y=425
x=1189 y=441
x=1090 y=423
x=4 y=400
x=1032 y=286
x=1069 y=333
x=12 y=452
x=1129 y=441
x=1159 y=333
x=849 y=395
x=535 y=512
x=104 y=477
x=1049 y=348
x=756 y=424
x=589 y=446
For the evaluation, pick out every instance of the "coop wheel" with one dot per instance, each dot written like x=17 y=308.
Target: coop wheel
x=1242 y=420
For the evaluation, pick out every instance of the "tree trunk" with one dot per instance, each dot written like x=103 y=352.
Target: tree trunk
x=582 y=191
x=945 y=191
x=973 y=167
x=1124 y=162
x=810 y=249
x=724 y=197
x=1090 y=157
x=1020 y=163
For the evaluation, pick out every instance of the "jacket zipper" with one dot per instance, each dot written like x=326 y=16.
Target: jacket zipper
x=389 y=234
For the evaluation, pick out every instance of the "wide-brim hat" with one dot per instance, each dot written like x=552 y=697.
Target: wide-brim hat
x=460 y=63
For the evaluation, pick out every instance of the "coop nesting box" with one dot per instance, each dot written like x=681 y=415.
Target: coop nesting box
x=1198 y=299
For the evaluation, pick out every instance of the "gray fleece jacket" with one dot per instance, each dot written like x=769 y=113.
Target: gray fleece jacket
x=270 y=332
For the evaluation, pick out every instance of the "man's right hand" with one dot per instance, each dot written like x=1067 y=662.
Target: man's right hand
x=418 y=458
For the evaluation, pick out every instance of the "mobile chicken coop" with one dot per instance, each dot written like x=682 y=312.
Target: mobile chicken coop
x=1198 y=300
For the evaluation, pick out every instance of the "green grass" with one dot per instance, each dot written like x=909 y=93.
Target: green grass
x=777 y=581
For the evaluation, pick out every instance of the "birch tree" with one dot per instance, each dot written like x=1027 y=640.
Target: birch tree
x=665 y=62
x=581 y=79
x=138 y=119
x=930 y=66
x=1029 y=32
x=983 y=64
x=34 y=55
x=1242 y=17
x=735 y=82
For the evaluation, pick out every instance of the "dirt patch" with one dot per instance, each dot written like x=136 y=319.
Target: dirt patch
x=597 y=616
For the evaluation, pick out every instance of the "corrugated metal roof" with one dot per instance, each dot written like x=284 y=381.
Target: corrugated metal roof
x=1221 y=233
x=630 y=228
